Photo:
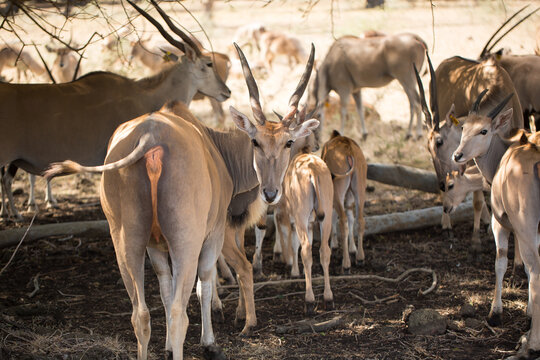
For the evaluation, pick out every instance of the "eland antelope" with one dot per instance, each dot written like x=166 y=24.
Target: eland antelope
x=454 y=87
x=512 y=167
x=353 y=63
x=186 y=189
x=44 y=123
x=348 y=166
x=307 y=199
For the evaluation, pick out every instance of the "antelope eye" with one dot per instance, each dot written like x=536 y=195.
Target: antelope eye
x=210 y=64
x=483 y=132
x=439 y=142
x=289 y=143
x=255 y=143
x=450 y=186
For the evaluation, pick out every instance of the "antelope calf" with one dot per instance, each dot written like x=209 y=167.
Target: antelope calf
x=457 y=186
x=348 y=167
x=65 y=64
x=275 y=44
x=353 y=63
x=307 y=198
x=512 y=168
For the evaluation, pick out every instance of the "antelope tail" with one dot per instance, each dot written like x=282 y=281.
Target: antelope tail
x=71 y=167
x=350 y=160
x=315 y=182
x=154 y=164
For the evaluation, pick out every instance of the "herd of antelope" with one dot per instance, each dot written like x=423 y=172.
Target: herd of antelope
x=185 y=193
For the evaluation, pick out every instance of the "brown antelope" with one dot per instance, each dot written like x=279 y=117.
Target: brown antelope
x=456 y=85
x=307 y=199
x=524 y=70
x=353 y=63
x=184 y=186
x=513 y=170
x=273 y=44
x=348 y=166
x=12 y=56
x=44 y=123
x=157 y=57
x=249 y=35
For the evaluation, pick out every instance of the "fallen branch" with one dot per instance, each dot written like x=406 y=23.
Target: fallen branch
x=310 y=326
x=12 y=236
x=404 y=176
x=354 y=277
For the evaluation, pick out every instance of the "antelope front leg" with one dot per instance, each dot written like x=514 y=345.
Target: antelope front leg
x=478 y=205
x=32 y=197
x=501 y=262
x=244 y=270
x=7 y=180
x=260 y=232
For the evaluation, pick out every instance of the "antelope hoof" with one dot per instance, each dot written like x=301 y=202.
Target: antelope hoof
x=360 y=262
x=277 y=258
x=52 y=205
x=309 y=308
x=218 y=316
x=259 y=275
x=346 y=271
x=32 y=208
x=408 y=136
x=364 y=136
x=448 y=234
x=214 y=352
x=524 y=353
x=494 y=319
x=247 y=331
x=328 y=305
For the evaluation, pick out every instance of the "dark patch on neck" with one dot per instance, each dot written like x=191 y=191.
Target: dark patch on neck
x=238 y=210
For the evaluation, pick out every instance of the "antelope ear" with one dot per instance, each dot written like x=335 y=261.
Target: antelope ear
x=190 y=53
x=451 y=118
x=305 y=129
x=242 y=122
x=502 y=120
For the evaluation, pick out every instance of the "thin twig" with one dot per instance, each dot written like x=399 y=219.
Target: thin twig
x=376 y=301
x=354 y=277
x=18 y=245
x=36 y=286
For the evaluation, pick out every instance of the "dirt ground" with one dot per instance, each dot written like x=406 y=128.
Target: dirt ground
x=81 y=309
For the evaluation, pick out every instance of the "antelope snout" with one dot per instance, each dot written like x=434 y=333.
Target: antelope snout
x=458 y=156
x=270 y=195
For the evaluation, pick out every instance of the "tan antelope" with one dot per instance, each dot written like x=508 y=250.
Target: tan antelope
x=183 y=186
x=457 y=186
x=348 y=166
x=456 y=85
x=273 y=44
x=44 y=123
x=513 y=170
x=13 y=56
x=157 y=57
x=353 y=63
x=307 y=199
x=66 y=66
x=249 y=35
x=524 y=70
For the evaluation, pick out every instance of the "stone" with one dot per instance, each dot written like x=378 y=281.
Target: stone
x=467 y=311
x=426 y=322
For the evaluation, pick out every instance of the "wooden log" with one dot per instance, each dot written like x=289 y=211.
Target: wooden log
x=404 y=176
x=415 y=219
x=377 y=224
x=13 y=236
